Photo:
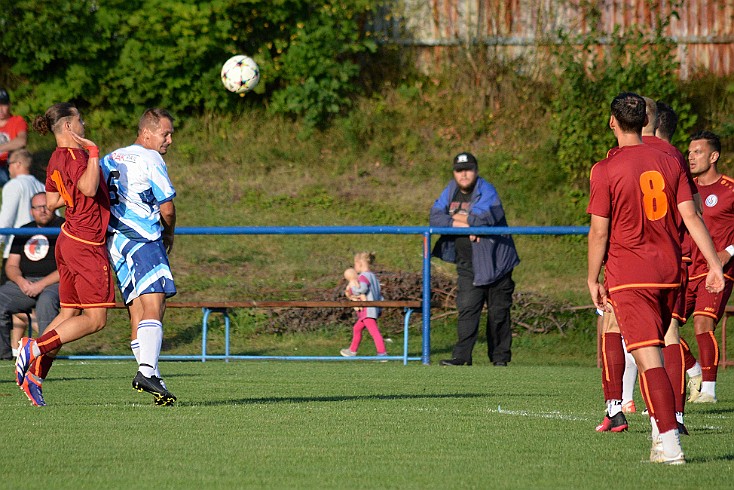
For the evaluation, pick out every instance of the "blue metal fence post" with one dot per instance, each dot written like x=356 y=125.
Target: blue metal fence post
x=426 y=356
x=204 y=326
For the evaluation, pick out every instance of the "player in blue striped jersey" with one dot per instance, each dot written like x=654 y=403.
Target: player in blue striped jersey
x=142 y=223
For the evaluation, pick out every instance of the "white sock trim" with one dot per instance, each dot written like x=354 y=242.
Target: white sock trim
x=150 y=337
x=709 y=387
x=671 y=443
x=614 y=407
x=655 y=430
x=694 y=371
x=135 y=347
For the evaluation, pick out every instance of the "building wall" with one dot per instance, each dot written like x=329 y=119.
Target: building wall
x=702 y=29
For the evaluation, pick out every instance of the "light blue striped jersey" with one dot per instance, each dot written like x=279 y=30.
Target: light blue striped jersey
x=138 y=182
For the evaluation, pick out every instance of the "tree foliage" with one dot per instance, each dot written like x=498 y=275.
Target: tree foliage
x=116 y=57
x=640 y=59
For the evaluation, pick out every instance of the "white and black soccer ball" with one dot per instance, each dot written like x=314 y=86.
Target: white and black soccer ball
x=240 y=74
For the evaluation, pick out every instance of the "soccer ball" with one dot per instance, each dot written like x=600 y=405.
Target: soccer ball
x=240 y=74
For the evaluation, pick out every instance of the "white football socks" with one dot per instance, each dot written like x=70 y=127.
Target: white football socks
x=655 y=430
x=150 y=338
x=135 y=347
x=671 y=443
x=614 y=407
x=629 y=378
x=709 y=387
x=694 y=371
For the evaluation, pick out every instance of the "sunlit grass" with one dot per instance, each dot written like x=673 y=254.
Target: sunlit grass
x=345 y=425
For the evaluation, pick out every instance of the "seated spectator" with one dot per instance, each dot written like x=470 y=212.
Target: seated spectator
x=17 y=194
x=33 y=281
x=13 y=134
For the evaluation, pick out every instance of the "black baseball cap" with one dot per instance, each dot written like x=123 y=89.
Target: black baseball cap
x=465 y=161
x=4 y=97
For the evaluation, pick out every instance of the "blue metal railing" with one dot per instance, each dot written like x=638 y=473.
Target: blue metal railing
x=425 y=232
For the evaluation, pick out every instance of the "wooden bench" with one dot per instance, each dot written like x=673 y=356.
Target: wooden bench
x=224 y=308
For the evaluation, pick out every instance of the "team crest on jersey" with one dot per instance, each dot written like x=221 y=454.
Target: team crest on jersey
x=712 y=201
x=36 y=248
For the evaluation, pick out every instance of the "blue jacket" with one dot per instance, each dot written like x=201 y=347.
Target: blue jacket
x=493 y=256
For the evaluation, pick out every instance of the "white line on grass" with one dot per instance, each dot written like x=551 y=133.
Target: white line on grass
x=541 y=415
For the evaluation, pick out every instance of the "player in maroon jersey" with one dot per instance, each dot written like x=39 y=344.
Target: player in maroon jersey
x=73 y=179
x=613 y=365
x=618 y=371
x=673 y=352
x=717 y=196
x=667 y=123
x=639 y=198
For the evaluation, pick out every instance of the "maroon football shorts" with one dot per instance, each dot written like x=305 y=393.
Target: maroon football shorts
x=84 y=274
x=701 y=302
x=643 y=315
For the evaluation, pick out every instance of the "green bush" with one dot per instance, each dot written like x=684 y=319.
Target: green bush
x=640 y=60
x=711 y=97
x=117 y=57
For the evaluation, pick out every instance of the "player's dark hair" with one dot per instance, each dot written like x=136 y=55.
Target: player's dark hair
x=711 y=138
x=629 y=110
x=667 y=120
x=47 y=123
x=152 y=118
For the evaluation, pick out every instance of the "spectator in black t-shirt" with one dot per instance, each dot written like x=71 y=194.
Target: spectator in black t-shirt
x=33 y=281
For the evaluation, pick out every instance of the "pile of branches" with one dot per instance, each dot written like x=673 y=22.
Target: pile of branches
x=530 y=311
x=396 y=286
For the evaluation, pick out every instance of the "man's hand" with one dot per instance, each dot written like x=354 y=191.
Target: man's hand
x=599 y=296
x=715 y=281
x=30 y=289
x=724 y=257
x=461 y=221
x=84 y=142
x=167 y=243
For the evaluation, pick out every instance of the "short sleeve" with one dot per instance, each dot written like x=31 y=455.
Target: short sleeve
x=600 y=202
x=160 y=183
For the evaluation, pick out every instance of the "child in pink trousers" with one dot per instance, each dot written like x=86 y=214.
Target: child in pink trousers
x=367 y=285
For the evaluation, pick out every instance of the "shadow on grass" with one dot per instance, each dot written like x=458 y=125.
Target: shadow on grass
x=327 y=399
x=701 y=409
x=720 y=411
x=723 y=457
x=11 y=381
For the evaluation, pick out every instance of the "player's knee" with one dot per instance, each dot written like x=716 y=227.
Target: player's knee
x=97 y=326
x=96 y=322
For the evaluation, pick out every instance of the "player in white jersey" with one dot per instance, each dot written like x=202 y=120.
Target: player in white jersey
x=142 y=223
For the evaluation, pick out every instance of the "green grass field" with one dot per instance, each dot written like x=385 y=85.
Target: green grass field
x=344 y=425
x=351 y=424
